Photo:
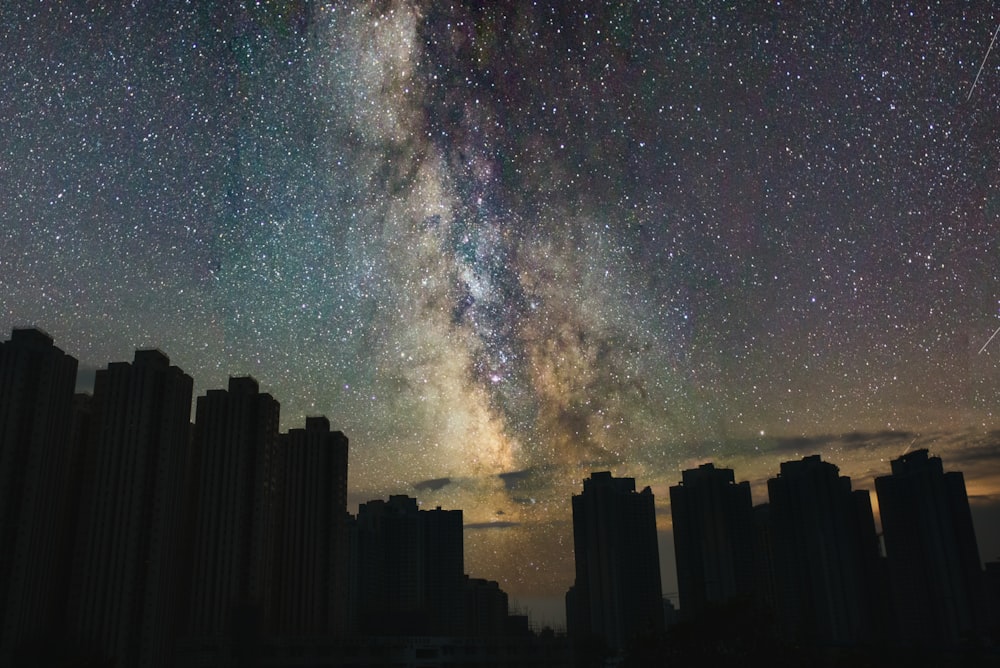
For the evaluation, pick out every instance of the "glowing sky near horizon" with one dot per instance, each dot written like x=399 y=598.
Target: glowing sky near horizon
x=504 y=246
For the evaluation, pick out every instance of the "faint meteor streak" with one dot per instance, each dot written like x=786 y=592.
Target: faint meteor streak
x=981 y=65
x=993 y=336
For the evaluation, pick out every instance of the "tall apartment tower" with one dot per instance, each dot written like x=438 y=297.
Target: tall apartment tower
x=410 y=564
x=617 y=594
x=312 y=587
x=125 y=582
x=36 y=394
x=237 y=492
x=713 y=538
x=444 y=570
x=825 y=551
x=931 y=546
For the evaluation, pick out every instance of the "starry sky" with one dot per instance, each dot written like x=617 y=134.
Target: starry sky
x=502 y=245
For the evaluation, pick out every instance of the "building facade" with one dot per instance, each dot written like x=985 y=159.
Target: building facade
x=37 y=380
x=238 y=477
x=825 y=552
x=411 y=576
x=931 y=546
x=713 y=529
x=124 y=596
x=617 y=593
x=312 y=590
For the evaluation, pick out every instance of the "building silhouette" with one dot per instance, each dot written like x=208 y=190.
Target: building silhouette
x=123 y=526
x=825 y=554
x=236 y=499
x=616 y=595
x=36 y=393
x=444 y=570
x=991 y=587
x=132 y=537
x=713 y=528
x=411 y=576
x=311 y=592
x=486 y=609
x=765 y=582
x=933 y=556
x=125 y=586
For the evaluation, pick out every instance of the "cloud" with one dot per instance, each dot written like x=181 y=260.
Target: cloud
x=849 y=440
x=475 y=526
x=969 y=451
x=886 y=436
x=803 y=443
x=516 y=479
x=434 y=484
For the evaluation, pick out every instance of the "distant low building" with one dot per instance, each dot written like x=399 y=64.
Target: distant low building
x=410 y=563
x=486 y=609
x=670 y=613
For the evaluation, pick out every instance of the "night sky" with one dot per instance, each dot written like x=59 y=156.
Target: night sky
x=502 y=248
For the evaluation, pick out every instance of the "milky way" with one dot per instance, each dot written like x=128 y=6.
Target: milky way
x=504 y=246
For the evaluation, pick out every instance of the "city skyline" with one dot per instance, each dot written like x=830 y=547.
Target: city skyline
x=501 y=248
x=273 y=531
x=542 y=612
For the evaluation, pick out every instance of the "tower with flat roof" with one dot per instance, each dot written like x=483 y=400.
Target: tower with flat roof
x=237 y=492
x=617 y=593
x=713 y=538
x=311 y=590
x=36 y=395
x=934 y=565
x=124 y=599
x=410 y=564
x=824 y=549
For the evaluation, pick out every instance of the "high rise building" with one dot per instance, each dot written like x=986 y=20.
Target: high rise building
x=444 y=570
x=390 y=566
x=237 y=492
x=486 y=608
x=311 y=589
x=764 y=576
x=617 y=594
x=824 y=550
x=934 y=566
x=36 y=394
x=713 y=529
x=126 y=576
x=410 y=564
